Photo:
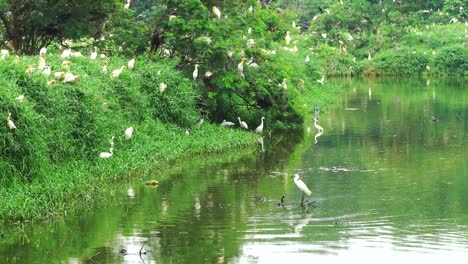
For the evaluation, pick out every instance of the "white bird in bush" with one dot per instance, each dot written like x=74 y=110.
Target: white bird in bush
x=195 y=72
x=4 y=53
x=104 y=69
x=104 y=58
x=162 y=87
x=42 y=52
x=20 y=98
x=106 y=155
x=226 y=123
x=70 y=77
x=283 y=84
x=301 y=186
x=128 y=133
x=65 y=54
x=47 y=71
x=321 y=81
x=10 y=123
x=259 y=129
x=131 y=64
x=93 y=55
x=30 y=69
x=240 y=67
x=59 y=75
x=41 y=64
x=66 y=64
x=116 y=73
x=127 y=5
x=216 y=11
x=243 y=124
x=250 y=9
x=288 y=37
x=307 y=59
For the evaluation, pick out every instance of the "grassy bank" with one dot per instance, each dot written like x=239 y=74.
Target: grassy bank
x=50 y=165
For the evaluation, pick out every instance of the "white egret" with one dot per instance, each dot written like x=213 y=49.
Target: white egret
x=76 y=54
x=128 y=133
x=307 y=59
x=66 y=53
x=216 y=11
x=93 y=55
x=250 y=9
x=116 y=73
x=70 y=77
x=240 y=67
x=317 y=126
x=288 y=37
x=259 y=129
x=226 y=123
x=195 y=72
x=187 y=132
x=250 y=43
x=243 y=124
x=20 y=98
x=162 y=87
x=104 y=69
x=199 y=121
x=104 y=58
x=369 y=57
x=283 y=84
x=301 y=186
x=41 y=64
x=127 y=5
x=47 y=71
x=66 y=64
x=321 y=81
x=10 y=123
x=131 y=64
x=106 y=155
x=59 y=75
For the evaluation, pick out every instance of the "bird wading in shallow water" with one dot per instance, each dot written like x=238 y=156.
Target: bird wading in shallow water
x=301 y=186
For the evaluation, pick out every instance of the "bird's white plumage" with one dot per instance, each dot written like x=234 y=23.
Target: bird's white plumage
x=195 y=72
x=128 y=133
x=259 y=129
x=106 y=155
x=131 y=64
x=317 y=125
x=226 y=123
x=243 y=124
x=301 y=185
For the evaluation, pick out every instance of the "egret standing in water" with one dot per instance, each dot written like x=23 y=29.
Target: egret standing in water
x=259 y=129
x=320 y=129
x=301 y=186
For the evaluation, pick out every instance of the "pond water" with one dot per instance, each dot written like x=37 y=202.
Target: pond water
x=389 y=182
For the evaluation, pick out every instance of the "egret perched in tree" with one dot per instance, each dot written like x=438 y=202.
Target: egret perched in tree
x=10 y=123
x=288 y=37
x=131 y=64
x=243 y=124
x=128 y=133
x=321 y=81
x=42 y=52
x=70 y=77
x=226 y=123
x=216 y=11
x=106 y=155
x=259 y=129
x=301 y=186
x=240 y=67
x=195 y=72
x=20 y=98
x=116 y=73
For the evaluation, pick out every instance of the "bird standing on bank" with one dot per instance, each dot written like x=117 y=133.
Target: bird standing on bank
x=195 y=72
x=242 y=124
x=259 y=129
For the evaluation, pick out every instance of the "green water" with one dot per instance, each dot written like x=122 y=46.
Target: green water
x=389 y=184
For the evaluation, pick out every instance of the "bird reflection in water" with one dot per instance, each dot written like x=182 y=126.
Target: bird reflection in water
x=260 y=141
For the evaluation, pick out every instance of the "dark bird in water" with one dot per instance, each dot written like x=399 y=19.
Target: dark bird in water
x=199 y=121
x=281 y=202
x=258 y=198
x=434 y=119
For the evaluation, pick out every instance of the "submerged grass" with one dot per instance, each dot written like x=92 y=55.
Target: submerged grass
x=50 y=165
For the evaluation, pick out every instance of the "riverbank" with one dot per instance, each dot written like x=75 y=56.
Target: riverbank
x=50 y=163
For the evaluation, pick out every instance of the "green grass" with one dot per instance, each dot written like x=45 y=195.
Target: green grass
x=49 y=164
